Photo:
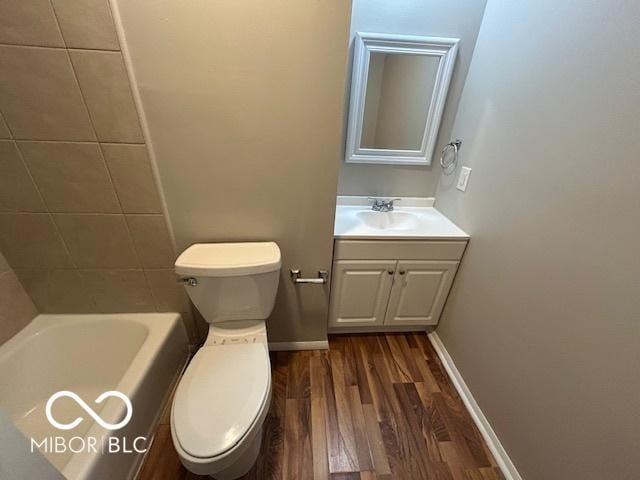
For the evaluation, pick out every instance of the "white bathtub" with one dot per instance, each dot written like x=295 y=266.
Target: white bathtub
x=140 y=355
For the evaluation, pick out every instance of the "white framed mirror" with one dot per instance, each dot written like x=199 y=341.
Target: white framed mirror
x=398 y=91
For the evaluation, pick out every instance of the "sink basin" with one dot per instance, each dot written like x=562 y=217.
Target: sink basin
x=418 y=219
x=388 y=220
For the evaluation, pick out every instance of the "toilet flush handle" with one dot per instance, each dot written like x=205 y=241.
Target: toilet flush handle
x=189 y=281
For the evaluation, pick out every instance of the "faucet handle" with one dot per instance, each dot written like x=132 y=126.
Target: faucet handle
x=383 y=205
x=377 y=203
x=389 y=204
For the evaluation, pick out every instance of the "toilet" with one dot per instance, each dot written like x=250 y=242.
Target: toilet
x=223 y=397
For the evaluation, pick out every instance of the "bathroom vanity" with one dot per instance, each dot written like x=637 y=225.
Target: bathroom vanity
x=394 y=260
x=391 y=270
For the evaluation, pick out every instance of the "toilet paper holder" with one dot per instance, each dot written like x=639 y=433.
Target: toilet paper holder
x=296 y=277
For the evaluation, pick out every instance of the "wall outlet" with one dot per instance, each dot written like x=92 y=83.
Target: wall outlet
x=463 y=179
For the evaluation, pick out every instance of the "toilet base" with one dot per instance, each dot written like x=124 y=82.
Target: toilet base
x=242 y=466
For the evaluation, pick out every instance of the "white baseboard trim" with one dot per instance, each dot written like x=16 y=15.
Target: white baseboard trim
x=289 y=346
x=493 y=442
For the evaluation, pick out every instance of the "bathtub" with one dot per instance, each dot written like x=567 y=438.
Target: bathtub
x=139 y=355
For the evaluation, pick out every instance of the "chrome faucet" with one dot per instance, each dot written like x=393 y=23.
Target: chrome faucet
x=382 y=205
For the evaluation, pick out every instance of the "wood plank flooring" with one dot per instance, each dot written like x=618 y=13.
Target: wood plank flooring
x=371 y=407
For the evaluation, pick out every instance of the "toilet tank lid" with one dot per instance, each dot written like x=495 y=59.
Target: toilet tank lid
x=228 y=259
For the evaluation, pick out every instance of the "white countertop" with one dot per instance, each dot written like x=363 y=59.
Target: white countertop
x=412 y=218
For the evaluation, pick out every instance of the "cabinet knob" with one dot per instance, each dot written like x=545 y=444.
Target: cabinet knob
x=402 y=272
x=390 y=272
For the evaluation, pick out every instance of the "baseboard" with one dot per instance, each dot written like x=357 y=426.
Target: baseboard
x=493 y=442
x=287 y=346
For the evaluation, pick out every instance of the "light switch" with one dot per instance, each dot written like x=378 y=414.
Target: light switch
x=463 y=179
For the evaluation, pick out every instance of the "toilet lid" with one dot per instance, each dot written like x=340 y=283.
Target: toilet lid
x=219 y=397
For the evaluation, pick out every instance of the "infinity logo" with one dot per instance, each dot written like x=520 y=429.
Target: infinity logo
x=88 y=409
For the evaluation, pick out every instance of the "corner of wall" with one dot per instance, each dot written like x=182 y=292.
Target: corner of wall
x=16 y=307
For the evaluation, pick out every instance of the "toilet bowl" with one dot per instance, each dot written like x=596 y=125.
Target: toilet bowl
x=223 y=397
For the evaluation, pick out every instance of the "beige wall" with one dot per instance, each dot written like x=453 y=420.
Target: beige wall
x=438 y=18
x=81 y=220
x=544 y=318
x=244 y=102
x=16 y=308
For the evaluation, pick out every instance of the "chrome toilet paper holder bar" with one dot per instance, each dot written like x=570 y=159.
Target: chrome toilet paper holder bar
x=296 y=277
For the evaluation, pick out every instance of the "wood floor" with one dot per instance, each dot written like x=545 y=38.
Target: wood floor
x=372 y=407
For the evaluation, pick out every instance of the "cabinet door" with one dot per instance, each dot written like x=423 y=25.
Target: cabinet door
x=360 y=291
x=419 y=292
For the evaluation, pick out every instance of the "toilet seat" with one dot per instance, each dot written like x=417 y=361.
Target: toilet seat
x=221 y=395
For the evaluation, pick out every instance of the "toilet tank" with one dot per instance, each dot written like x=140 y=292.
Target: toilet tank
x=231 y=281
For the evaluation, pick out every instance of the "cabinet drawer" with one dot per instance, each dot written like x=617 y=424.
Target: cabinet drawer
x=398 y=250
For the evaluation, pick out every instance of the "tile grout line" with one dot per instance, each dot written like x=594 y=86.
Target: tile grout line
x=82 y=96
x=73 y=265
x=113 y=185
x=53 y=47
x=153 y=294
x=86 y=107
x=97 y=136
x=47 y=209
x=80 y=142
x=80 y=214
x=55 y=16
x=95 y=133
x=142 y=266
x=126 y=223
x=4 y=119
x=142 y=119
x=113 y=23
x=33 y=180
x=51 y=219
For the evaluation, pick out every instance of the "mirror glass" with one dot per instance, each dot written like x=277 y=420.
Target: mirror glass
x=399 y=90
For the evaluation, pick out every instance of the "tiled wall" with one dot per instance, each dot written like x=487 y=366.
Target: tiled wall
x=80 y=216
x=16 y=308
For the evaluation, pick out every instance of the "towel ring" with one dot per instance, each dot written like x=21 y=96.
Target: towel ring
x=453 y=159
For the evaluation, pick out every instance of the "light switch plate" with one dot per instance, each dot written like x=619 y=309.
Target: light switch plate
x=463 y=179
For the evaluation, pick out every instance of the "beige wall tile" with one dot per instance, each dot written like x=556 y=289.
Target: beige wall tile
x=29 y=22
x=87 y=24
x=4 y=266
x=4 y=130
x=97 y=241
x=168 y=293
x=133 y=178
x=118 y=290
x=30 y=240
x=57 y=291
x=105 y=84
x=152 y=240
x=72 y=177
x=17 y=191
x=39 y=95
x=16 y=308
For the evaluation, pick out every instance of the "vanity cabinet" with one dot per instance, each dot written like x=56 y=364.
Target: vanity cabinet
x=391 y=285
x=419 y=291
x=360 y=291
